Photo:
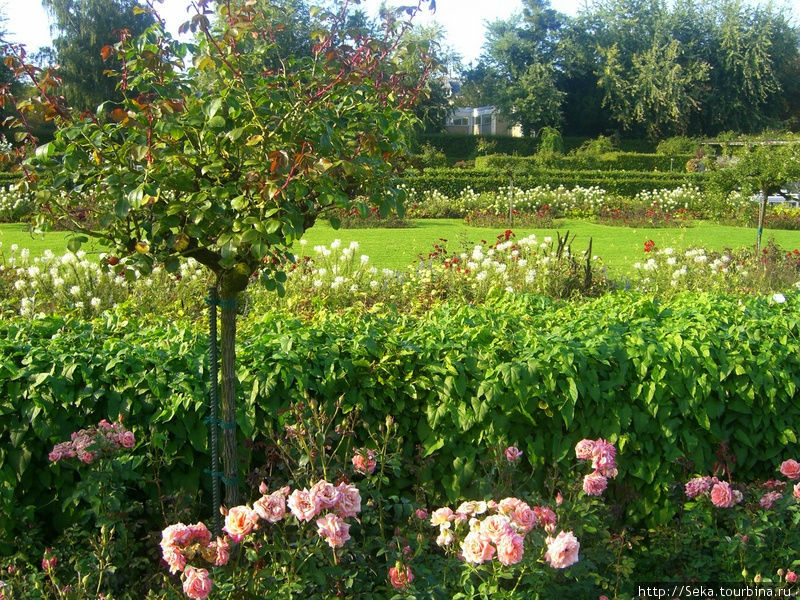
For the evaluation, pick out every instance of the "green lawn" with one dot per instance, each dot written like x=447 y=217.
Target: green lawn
x=619 y=247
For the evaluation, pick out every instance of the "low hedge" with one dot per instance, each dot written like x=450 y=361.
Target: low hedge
x=666 y=382
x=452 y=182
x=612 y=161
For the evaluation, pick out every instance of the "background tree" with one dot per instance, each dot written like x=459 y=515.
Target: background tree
x=225 y=160
x=81 y=28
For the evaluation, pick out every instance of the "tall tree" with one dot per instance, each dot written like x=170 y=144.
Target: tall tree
x=81 y=28
x=224 y=161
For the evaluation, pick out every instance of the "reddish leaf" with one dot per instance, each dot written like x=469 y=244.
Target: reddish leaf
x=106 y=51
x=119 y=115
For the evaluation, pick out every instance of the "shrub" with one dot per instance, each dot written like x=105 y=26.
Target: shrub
x=354 y=219
x=15 y=207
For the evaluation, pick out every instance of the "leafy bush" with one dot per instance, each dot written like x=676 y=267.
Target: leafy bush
x=15 y=207
x=679 y=145
x=452 y=182
x=464 y=147
x=664 y=381
x=611 y=161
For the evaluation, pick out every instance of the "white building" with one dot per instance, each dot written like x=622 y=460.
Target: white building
x=484 y=120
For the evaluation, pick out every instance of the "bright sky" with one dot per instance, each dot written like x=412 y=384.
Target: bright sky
x=463 y=20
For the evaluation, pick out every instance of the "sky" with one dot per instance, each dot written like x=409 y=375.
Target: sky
x=26 y=21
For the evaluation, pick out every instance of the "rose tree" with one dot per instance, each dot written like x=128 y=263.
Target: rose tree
x=224 y=150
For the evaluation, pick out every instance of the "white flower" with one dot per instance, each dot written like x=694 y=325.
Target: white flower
x=373 y=270
x=364 y=259
x=58 y=282
x=336 y=243
x=79 y=304
x=779 y=298
x=373 y=284
x=75 y=290
x=337 y=282
x=481 y=276
x=668 y=251
x=797 y=285
x=303 y=242
x=25 y=254
x=522 y=262
x=353 y=245
x=354 y=288
x=80 y=254
x=19 y=284
x=317 y=283
x=13 y=248
x=95 y=302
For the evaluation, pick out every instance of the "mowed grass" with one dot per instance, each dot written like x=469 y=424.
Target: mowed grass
x=618 y=247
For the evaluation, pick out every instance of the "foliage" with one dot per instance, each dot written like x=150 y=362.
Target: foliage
x=81 y=30
x=605 y=161
x=354 y=219
x=15 y=207
x=452 y=182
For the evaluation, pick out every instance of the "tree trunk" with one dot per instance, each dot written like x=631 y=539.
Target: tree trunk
x=761 y=213
x=230 y=460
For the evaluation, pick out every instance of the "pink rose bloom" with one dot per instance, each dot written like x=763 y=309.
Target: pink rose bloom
x=603 y=456
x=400 y=576
x=421 y=513
x=524 y=517
x=460 y=518
x=496 y=527
x=796 y=491
x=198 y=531
x=559 y=499
x=335 y=531
x=774 y=483
x=127 y=440
x=197 y=584
x=240 y=522
x=49 y=561
x=467 y=508
x=223 y=552
x=697 y=486
x=88 y=457
x=271 y=508
x=445 y=537
x=513 y=453
x=546 y=518
x=508 y=505
x=174 y=558
x=791 y=469
x=768 y=500
x=325 y=494
x=303 y=505
x=722 y=495
x=364 y=461
x=349 y=502
x=510 y=549
x=594 y=484
x=104 y=424
x=562 y=551
x=584 y=449
x=441 y=515
x=791 y=576
x=476 y=548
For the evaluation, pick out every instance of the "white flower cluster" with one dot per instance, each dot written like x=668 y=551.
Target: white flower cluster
x=686 y=196
x=14 y=206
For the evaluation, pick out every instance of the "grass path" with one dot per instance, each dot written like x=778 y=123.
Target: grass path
x=619 y=247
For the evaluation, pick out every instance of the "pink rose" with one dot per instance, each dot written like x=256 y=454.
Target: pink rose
x=546 y=518
x=768 y=500
x=594 y=484
x=335 y=531
x=513 y=453
x=197 y=584
x=325 y=494
x=603 y=455
x=697 y=486
x=722 y=495
x=271 y=508
x=400 y=576
x=445 y=537
x=584 y=449
x=791 y=469
x=496 y=527
x=508 y=505
x=796 y=491
x=510 y=549
x=441 y=515
x=421 y=513
x=127 y=440
x=562 y=551
x=791 y=576
x=476 y=548
x=303 y=505
x=49 y=561
x=174 y=558
x=349 y=503
x=239 y=522
x=222 y=551
x=524 y=517
x=364 y=461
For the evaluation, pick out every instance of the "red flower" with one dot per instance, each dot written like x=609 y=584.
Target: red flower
x=649 y=245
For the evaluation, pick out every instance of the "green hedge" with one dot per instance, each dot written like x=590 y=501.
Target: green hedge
x=463 y=147
x=613 y=161
x=8 y=178
x=664 y=381
x=452 y=182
